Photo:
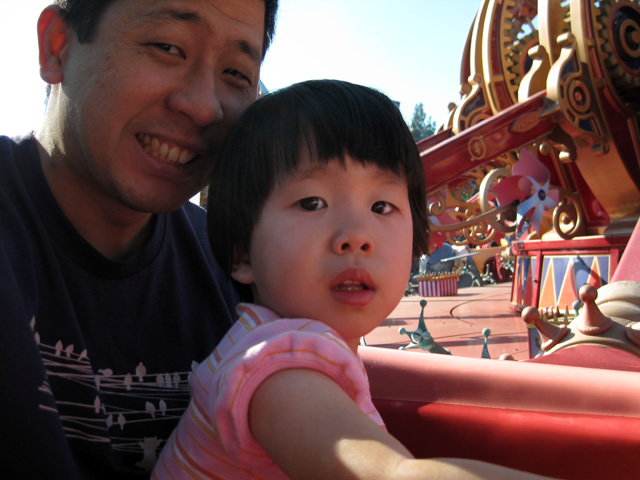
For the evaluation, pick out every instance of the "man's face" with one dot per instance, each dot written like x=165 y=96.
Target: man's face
x=144 y=105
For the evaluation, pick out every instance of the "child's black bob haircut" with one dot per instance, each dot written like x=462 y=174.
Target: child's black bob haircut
x=329 y=117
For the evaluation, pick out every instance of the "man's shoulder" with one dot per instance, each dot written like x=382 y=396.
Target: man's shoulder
x=7 y=148
x=14 y=148
x=194 y=211
x=5 y=140
x=18 y=161
x=12 y=142
x=191 y=216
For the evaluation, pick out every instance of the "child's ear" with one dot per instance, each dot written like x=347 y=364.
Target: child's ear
x=241 y=270
x=52 y=39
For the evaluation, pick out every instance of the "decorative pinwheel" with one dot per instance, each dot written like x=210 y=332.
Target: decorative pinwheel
x=529 y=184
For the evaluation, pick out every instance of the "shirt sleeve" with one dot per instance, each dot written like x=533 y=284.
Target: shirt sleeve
x=322 y=351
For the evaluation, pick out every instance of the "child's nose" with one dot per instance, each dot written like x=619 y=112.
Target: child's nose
x=353 y=239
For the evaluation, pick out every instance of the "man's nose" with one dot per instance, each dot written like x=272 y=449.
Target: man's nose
x=198 y=97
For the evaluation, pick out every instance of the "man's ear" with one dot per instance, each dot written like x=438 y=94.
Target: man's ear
x=241 y=270
x=52 y=39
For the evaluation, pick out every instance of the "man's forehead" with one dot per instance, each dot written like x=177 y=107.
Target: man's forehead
x=178 y=12
x=244 y=15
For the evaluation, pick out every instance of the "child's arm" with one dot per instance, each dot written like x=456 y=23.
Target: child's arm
x=312 y=429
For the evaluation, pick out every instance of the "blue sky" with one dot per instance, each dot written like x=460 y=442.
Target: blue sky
x=408 y=49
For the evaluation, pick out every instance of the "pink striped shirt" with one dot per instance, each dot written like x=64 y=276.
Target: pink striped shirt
x=213 y=439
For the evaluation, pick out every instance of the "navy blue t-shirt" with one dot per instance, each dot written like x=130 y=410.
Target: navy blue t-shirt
x=95 y=355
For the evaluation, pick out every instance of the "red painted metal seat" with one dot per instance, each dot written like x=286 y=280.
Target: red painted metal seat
x=562 y=421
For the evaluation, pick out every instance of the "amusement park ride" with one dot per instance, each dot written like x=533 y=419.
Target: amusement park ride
x=544 y=149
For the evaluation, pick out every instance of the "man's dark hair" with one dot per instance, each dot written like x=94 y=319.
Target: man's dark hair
x=331 y=119
x=84 y=16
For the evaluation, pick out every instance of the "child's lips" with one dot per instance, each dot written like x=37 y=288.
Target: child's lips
x=353 y=278
x=353 y=287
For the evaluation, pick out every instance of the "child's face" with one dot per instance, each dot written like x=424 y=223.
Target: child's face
x=333 y=244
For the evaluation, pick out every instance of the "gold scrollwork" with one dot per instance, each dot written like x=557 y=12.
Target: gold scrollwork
x=477 y=149
x=437 y=204
x=568 y=217
x=470 y=224
x=497 y=219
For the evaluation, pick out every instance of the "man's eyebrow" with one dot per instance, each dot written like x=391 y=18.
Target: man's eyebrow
x=166 y=16
x=246 y=47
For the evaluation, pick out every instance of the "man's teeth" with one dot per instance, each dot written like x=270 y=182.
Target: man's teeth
x=163 y=151
x=351 y=286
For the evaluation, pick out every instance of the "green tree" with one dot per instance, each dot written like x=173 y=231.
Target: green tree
x=420 y=127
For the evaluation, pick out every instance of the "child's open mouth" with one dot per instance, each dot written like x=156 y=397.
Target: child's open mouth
x=350 y=286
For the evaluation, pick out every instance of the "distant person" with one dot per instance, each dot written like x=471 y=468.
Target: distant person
x=437 y=261
x=109 y=290
x=317 y=204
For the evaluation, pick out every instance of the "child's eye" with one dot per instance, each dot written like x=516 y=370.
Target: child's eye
x=312 y=203
x=382 y=208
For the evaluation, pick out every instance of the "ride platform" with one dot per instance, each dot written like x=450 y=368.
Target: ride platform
x=456 y=323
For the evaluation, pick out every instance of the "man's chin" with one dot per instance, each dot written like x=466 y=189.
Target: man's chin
x=159 y=206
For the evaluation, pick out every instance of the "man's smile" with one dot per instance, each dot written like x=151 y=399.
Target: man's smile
x=165 y=152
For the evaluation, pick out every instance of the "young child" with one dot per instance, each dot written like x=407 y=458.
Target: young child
x=317 y=205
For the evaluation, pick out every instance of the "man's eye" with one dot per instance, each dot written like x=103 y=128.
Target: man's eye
x=382 y=208
x=312 y=203
x=170 y=49
x=237 y=74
